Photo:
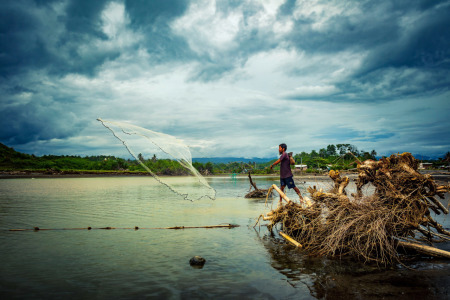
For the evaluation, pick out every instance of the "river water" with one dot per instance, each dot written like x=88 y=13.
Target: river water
x=241 y=263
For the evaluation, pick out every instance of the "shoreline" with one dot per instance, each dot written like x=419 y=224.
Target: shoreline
x=440 y=176
x=89 y=174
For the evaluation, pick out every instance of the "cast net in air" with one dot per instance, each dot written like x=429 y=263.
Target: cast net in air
x=143 y=143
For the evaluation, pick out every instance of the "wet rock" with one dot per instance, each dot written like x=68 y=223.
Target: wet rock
x=197 y=261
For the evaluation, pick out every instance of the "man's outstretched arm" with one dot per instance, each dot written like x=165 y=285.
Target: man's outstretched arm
x=275 y=163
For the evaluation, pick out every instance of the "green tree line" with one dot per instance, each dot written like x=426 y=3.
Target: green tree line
x=335 y=157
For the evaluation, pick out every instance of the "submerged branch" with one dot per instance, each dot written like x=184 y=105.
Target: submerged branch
x=134 y=228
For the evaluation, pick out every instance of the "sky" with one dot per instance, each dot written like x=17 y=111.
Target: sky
x=228 y=78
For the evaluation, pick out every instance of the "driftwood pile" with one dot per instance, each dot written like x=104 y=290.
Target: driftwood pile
x=256 y=193
x=377 y=228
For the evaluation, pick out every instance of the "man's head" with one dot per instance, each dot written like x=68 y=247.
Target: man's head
x=282 y=148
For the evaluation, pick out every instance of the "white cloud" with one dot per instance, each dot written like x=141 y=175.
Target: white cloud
x=208 y=30
x=212 y=32
x=266 y=19
x=311 y=91
x=114 y=19
x=115 y=24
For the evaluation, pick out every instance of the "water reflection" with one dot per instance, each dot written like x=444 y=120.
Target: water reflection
x=326 y=278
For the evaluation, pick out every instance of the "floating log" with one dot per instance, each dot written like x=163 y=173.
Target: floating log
x=432 y=251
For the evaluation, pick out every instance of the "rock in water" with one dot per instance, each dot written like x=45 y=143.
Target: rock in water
x=197 y=261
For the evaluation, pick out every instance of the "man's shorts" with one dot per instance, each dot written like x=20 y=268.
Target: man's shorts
x=289 y=181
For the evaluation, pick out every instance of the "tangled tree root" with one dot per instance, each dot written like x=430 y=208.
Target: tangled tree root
x=256 y=193
x=370 y=228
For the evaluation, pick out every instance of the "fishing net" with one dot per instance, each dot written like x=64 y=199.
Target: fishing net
x=173 y=155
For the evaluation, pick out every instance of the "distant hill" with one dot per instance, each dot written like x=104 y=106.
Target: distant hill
x=11 y=161
x=6 y=151
x=425 y=157
x=226 y=160
x=9 y=155
x=416 y=156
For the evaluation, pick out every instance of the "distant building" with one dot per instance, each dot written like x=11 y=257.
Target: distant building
x=301 y=167
x=425 y=166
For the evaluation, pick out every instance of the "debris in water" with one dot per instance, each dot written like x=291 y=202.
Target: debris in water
x=256 y=193
x=197 y=261
x=371 y=228
x=135 y=227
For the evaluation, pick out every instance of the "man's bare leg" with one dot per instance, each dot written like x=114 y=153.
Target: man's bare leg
x=282 y=189
x=298 y=193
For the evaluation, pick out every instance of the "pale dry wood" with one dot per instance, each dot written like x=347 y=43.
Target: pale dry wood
x=438 y=226
x=432 y=251
x=438 y=204
x=283 y=195
x=401 y=203
x=291 y=240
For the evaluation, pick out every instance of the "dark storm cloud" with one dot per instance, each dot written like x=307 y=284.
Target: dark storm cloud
x=37 y=120
x=406 y=43
x=152 y=19
x=82 y=25
x=377 y=22
x=34 y=35
x=146 y=14
x=21 y=48
x=378 y=25
x=424 y=43
x=65 y=62
x=44 y=37
x=83 y=17
x=287 y=7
